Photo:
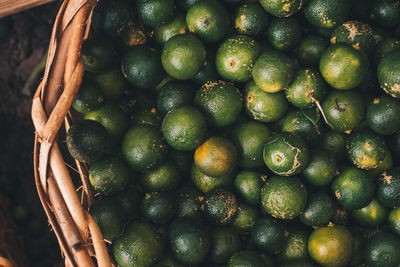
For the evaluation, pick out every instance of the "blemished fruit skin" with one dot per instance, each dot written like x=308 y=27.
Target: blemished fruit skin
x=246 y=258
x=326 y=14
x=248 y=185
x=344 y=110
x=97 y=54
x=183 y=56
x=144 y=147
x=286 y=154
x=220 y=101
x=207 y=183
x=295 y=249
x=389 y=73
x=110 y=175
x=382 y=249
x=283 y=8
x=177 y=26
x=251 y=19
x=320 y=169
x=174 y=94
x=358 y=34
x=146 y=116
x=353 y=188
x=365 y=149
x=109 y=216
x=158 y=207
x=382 y=115
x=220 y=206
x=236 y=56
x=306 y=88
x=371 y=215
x=331 y=246
x=263 y=106
x=318 y=210
x=283 y=197
x=269 y=235
x=284 y=34
x=190 y=241
x=343 y=67
x=139 y=245
x=249 y=138
x=273 y=71
x=225 y=242
x=153 y=13
x=111 y=117
x=184 y=128
x=393 y=221
x=209 y=20
x=165 y=177
x=142 y=67
x=87 y=141
x=88 y=98
x=388 y=188
x=310 y=50
x=245 y=218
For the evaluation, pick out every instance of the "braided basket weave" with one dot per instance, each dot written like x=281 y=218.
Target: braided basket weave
x=78 y=235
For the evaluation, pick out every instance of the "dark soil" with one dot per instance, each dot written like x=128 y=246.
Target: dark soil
x=24 y=38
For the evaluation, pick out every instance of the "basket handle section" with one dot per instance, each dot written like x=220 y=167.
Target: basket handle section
x=77 y=233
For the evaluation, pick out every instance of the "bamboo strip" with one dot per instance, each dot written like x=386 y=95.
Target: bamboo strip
x=80 y=255
x=103 y=259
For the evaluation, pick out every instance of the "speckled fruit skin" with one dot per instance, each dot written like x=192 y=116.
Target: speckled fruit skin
x=220 y=101
x=382 y=115
x=184 y=128
x=273 y=71
x=331 y=246
x=365 y=149
x=327 y=14
x=286 y=154
x=236 y=56
x=358 y=34
x=251 y=19
x=165 y=32
x=283 y=197
x=153 y=13
x=307 y=87
x=209 y=20
x=263 y=106
x=284 y=34
x=282 y=8
x=343 y=67
x=353 y=188
x=388 y=188
x=220 y=206
x=110 y=175
x=139 y=245
x=144 y=147
x=183 y=56
x=389 y=73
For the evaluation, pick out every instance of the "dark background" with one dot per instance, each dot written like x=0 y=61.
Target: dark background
x=24 y=39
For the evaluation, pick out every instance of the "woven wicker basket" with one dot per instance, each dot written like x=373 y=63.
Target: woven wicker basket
x=78 y=235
